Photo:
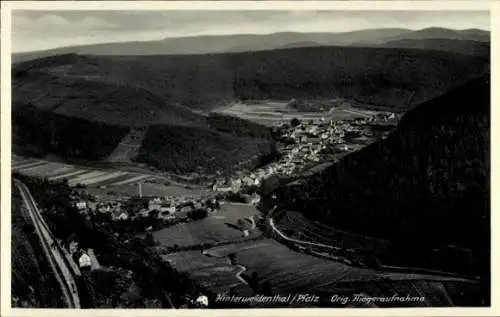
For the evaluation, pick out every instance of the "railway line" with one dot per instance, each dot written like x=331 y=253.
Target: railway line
x=65 y=270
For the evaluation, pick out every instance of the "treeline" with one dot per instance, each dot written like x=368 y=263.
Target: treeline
x=133 y=276
x=192 y=149
x=38 y=133
x=425 y=187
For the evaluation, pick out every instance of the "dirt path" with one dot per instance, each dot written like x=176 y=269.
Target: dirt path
x=128 y=148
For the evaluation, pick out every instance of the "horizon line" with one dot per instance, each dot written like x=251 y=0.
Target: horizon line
x=242 y=34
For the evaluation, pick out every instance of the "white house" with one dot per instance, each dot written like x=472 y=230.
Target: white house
x=84 y=261
x=236 y=185
x=81 y=205
x=202 y=301
x=120 y=215
x=154 y=204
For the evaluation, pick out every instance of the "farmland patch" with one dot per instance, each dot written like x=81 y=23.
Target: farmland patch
x=274 y=112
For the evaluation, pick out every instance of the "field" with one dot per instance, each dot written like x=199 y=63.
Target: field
x=99 y=181
x=273 y=112
x=211 y=229
x=216 y=274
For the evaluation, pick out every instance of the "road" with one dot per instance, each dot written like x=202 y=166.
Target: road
x=59 y=259
x=285 y=237
x=410 y=271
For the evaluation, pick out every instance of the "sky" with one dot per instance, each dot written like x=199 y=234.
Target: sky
x=40 y=30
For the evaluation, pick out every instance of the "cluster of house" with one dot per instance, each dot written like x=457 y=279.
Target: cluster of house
x=175 y=207
x=313 y=142
x=113 y=207
x=382 y=117
x=168 y=207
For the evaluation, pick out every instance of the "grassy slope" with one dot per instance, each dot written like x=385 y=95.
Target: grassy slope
x=33 y=282
x=430 y=175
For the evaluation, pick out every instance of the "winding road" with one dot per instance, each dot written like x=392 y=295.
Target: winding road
x=411 y=271
x=64 y=268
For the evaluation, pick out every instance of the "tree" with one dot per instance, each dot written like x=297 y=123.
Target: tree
x=149 y=239
x=295 y=122
x=233 y=257
x=153 y=214
x=198 y=214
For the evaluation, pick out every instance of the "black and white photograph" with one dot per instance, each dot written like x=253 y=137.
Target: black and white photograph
x=248 y=158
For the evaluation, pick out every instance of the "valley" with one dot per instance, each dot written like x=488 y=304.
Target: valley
x=350 y=164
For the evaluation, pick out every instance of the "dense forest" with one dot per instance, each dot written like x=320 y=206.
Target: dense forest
x=192 y=149
x=38 y=133
x=169 y=85
x=426 y=186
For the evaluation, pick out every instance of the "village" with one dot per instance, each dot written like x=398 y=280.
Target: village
x=310 y=143
x=304 y=145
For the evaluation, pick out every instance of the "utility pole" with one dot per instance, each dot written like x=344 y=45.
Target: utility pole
x=140 y=189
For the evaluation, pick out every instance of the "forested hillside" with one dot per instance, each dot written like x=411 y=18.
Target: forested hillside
x=38 y=133
x=161 y=89
x=189 y=149
x=426 y=186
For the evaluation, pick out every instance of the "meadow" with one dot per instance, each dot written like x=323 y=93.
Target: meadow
x=216 y=274
x=214 y=228
x=100 y=181
x=271 y=113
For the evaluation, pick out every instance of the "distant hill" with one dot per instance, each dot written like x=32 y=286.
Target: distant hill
x=209 y=44
x=469 y=47
x=143 y=90
x=301 y=44
x=426 y=186
x=443 y=33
